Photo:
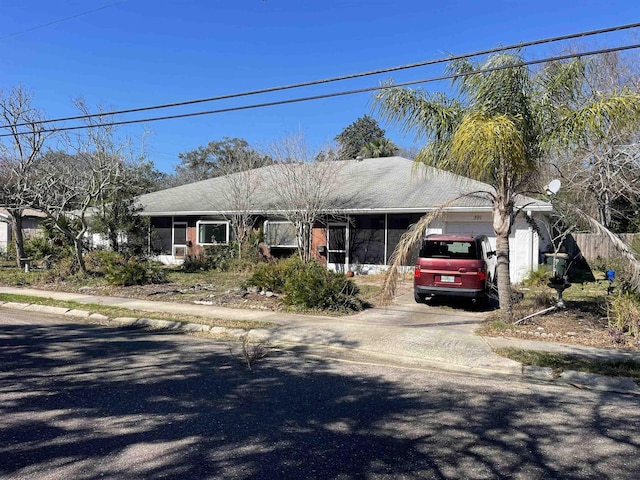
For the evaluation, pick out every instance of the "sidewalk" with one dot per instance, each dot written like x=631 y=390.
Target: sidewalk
x=405 y=334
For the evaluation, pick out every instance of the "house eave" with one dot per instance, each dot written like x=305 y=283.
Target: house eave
x=346 y=211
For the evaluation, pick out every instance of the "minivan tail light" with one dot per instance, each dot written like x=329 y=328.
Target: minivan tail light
x=416 y=271
x=482 y=275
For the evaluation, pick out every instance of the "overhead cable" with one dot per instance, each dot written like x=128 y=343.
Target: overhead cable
x=337 y=94
x=339 y=78
x=59 y=21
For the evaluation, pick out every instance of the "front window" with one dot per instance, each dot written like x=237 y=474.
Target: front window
x=213 y=233
x=280 y=234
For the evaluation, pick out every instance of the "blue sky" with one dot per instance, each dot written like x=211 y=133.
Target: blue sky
x=141 y=52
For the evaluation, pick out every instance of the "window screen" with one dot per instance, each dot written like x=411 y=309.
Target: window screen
x=280 y=234
x=367 y=240
x=161 y=235
x=212 y=233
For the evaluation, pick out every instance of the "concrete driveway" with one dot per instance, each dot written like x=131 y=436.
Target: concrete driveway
x=406 y=332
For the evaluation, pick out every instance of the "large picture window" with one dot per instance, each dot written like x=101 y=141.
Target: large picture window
x=213 y=233
x=280 y=234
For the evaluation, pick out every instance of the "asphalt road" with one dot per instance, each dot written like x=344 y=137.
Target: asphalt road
x=83 y=401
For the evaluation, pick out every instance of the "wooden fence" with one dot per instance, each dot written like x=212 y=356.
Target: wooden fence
x=592 y=245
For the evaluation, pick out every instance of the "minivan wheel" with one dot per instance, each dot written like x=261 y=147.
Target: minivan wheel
x=419 y=297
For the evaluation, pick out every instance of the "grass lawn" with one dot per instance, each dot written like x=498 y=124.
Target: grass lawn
x=114 y=312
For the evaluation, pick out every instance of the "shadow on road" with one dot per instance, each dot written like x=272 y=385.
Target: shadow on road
x=82 y=401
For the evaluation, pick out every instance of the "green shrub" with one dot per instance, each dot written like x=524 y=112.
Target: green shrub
x=39 y=248
x=308 y=286
x=271 y=276
x=624 y=313
x=97 y=260
x=213 y=258
x=65 y=267
x=125 y=271
x=538 y=278
x=10 y=252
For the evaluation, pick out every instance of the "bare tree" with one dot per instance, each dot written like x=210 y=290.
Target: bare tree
x=242 y=182
x=303 y=186
x=602 y=170
x=68 y=186
x=19 y=152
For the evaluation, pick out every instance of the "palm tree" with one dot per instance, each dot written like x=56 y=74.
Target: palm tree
x=499 y=127
x=379 y=147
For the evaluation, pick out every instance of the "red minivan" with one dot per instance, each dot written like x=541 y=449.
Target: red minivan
x=454 y=266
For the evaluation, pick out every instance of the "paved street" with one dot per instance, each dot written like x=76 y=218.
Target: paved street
x=84 y=401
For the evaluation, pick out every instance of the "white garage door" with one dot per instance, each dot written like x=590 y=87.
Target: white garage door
x=472 y=229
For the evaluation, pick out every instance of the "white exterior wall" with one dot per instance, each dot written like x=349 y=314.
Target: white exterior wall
x=524 y=251
x=4 y=236
x=524 y=244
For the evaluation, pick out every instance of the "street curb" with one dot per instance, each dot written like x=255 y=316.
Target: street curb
x=149 y=323
x=582 y=380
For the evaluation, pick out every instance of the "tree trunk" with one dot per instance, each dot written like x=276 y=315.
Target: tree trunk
x=77 y=244
x=113 y=240
x=502 y=218
x=304 y=242
x=605 y=210
x=18 y=236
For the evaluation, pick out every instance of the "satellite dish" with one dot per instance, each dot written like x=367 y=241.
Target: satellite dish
x=553 y=187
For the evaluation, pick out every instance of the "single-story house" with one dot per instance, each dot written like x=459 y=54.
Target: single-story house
x=369 y=204
x=30 y=226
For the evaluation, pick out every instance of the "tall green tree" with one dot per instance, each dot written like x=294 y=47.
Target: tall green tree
x=354 y=137
x=115 y=215
x=218 y=158
x=379 y=147
x=498 y=128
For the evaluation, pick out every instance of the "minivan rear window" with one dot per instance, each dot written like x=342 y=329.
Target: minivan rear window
x=448 y=249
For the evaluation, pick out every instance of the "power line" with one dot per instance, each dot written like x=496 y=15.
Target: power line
x=339 y=78
x=59 y=21
x=337 y=94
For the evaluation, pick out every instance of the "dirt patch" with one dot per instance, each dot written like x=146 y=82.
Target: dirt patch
x=203 y=294
x=580 y=323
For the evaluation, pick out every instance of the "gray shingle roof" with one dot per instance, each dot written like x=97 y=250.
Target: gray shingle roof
x=392 y=184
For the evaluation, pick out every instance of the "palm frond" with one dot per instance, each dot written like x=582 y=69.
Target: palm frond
x=487 y=148
x=560 y=82
x=413 y=111
x=408 y=241
x=618 y=110
x=617 y=242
